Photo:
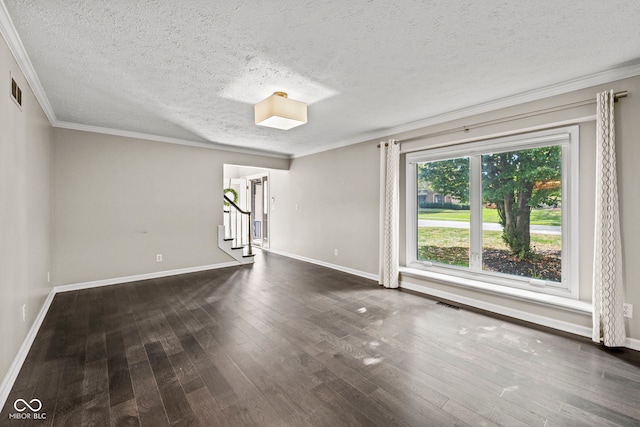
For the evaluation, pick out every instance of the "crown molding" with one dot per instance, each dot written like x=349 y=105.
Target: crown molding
x=16 y=47
x=562 y=88
x=158 y=138
x=510 y=101
x=7 y=29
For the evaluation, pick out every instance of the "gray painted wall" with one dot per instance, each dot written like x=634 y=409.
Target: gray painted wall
x=329 y=201
x=120 y=201
x=25 y=210
x=627 y=131
x=336 y=194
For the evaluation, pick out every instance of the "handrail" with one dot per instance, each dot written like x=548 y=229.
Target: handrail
x=236 y=206
x=236 y=234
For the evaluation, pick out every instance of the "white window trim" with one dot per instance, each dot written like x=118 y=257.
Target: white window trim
x=568 y=137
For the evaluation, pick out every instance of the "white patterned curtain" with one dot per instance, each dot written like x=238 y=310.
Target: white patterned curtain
x=389 y=206
x=608 y=318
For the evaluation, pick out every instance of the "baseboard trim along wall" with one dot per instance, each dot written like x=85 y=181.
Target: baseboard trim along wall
x=326 y=264
x=499 y=309
x=138 y=277
x=16 y=365
x=14 y=369
x=632 y=343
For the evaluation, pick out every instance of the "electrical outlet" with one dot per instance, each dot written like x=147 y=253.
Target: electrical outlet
x=335 y=252
x=627 y=309
x=159 y=258
x=24 y=312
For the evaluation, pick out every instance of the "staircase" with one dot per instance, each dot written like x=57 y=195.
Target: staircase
x=234 y=237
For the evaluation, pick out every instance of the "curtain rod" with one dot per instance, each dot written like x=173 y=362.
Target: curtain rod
x=387 y=144
x=616 y=97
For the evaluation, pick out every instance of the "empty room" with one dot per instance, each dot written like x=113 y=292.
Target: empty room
x=297 y=213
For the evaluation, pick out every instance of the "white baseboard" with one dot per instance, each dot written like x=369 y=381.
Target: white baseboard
x=138 y=277
x=560 y=325
x=633 y=344
x=14 y=369
x=328 y=265
x=499 y=309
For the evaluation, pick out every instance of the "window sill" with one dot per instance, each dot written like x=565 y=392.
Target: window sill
x=520 y=294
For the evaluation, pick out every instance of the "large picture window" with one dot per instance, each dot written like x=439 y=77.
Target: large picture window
x=501 y=211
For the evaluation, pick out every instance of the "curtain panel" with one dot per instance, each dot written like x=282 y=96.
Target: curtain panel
x=608 y=317
x=389 y=213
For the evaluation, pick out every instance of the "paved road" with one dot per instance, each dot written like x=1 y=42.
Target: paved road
x=539 y=229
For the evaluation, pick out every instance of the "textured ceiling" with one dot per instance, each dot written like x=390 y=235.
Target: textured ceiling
x=192 y=69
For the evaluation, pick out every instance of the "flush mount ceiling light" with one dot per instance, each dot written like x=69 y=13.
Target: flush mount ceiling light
x=280 y=112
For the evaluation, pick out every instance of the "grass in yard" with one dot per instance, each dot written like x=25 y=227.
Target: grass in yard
x=539 y=242
x=546 y=217
x=445 y=214
x=451 y=246
x=445 y=245
x=459 y=238
x=446 y=255
x=538 y=216
x=443 y=237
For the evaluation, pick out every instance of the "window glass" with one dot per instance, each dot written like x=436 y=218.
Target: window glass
x=443 y=211
x=501 y=211
x=522 y=213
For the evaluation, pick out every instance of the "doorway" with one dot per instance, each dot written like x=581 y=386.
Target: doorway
x=260 y=211
x=252 y=187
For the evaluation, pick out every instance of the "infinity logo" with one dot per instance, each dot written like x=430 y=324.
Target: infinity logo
x=37 y=405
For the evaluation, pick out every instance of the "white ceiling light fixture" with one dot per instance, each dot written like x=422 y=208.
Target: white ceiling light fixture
x=280 y=112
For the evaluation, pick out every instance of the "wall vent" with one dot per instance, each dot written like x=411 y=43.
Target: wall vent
x=16 y=93
x=444 y=304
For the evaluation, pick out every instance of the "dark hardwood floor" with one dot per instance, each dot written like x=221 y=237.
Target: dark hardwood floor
x=286 y=343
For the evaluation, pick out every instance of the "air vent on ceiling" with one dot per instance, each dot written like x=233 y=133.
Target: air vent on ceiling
x=16 y=92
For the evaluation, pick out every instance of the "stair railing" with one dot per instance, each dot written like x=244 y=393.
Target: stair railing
x=238 y=224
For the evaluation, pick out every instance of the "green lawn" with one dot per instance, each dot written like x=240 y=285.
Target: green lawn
x=459 y=237
x=538 y=216
x=451 y=245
